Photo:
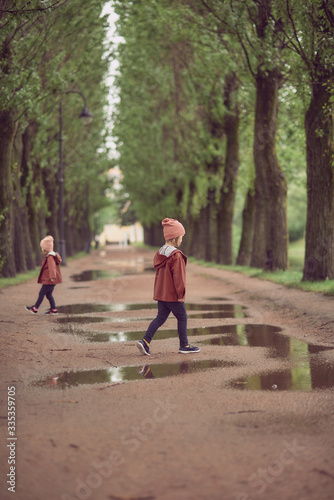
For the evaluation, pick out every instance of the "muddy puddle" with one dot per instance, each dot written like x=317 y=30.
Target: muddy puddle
x=225 y=311
x=259 y=335
x=96 y=274
x=130 y=336
x=250 y=335
x=217 y=298
x=215 y=311
x=129 y=373
x=309 y=373
x=93 y=275
x=97 y=308
x=116 y=307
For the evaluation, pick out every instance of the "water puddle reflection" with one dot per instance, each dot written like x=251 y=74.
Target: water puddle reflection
x=246 y=335
x=116 y=307
x=94 y=275
x=254 y=335
x=307 y=375
x=218 y=311
x=97 y=274
x=132 y=336
x=87 y=319
x=217 y=298
x=308 y=371
x=77 y=287
x=119 y=374
x=269 y=336
x=96 y=308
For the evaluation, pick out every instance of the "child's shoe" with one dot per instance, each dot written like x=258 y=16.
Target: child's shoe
x=52 y=311
x=143 y=347
x=32 y=309
x=188 y=349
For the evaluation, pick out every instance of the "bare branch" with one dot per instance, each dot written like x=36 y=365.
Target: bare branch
x=214 y=13
x=210 y=30
x=301 y=50
x=39 y=9
x=246 y=54
x=296 y=47
x=329 y=14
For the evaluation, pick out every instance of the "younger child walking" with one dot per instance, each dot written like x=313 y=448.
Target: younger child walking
x=49 y=276
x=170 y=287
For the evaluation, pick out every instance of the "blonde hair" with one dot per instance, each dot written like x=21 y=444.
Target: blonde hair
x=174 y=241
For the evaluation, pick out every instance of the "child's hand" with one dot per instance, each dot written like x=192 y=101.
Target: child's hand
x=53 y=279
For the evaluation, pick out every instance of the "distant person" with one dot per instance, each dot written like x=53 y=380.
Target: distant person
x=49 y=276
x=170 y=287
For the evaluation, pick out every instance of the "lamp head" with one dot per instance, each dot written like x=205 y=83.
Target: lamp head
x=86 y=116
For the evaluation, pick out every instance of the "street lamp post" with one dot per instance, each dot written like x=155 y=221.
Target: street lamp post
x=86 y=116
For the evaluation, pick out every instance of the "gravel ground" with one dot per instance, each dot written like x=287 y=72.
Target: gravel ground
x=173 y=426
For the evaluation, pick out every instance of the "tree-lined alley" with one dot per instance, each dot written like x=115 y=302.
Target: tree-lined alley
x=224 y=120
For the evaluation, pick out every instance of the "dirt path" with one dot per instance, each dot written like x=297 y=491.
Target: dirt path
x=189 y=436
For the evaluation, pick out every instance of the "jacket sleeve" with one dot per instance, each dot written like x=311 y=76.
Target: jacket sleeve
x=179 y=276
x=52 y=267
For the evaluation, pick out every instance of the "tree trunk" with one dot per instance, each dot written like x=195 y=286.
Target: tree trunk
x=153 y=235
x=189 y=236
x=51 y=194
x=32 y=183
x=319 y=125
x=36 y=216
x=199 y=246
x=70 y=233
x=7 y=127
x=226 y=206
x=248 y=217
x=24 y=255
x=211 y=232
x=270 y=244
x=87 y=225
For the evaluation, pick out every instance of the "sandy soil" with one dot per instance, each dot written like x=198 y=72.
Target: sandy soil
x=189 y=436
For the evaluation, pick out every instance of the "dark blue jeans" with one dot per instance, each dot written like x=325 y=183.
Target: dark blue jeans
x=164 y=309
x=46 y=291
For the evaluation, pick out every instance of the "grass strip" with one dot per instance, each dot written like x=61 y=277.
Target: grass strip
x=290 y=279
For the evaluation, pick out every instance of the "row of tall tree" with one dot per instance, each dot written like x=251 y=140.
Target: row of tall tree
x=207 y=89
x=50 y=52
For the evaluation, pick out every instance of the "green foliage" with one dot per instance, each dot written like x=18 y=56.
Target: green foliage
x=170 y=115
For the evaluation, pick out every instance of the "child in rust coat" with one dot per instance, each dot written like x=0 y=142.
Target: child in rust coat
x=49 y=276
x=170 y=287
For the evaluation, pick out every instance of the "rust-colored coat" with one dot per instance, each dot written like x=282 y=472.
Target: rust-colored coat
x=170 y=278
x=50 y=269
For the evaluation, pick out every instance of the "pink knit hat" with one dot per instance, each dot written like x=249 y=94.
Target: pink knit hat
x=47 y=243
x=172 y=229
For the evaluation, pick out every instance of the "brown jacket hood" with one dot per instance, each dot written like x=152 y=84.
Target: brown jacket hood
x=160 y=260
